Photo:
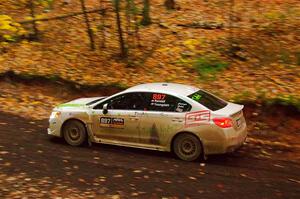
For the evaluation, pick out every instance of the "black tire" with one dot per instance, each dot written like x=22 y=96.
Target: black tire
x=74 y=133
x=187 y=147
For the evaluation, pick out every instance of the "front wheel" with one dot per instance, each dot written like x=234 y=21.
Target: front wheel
x=74 y=133
x=187 y=147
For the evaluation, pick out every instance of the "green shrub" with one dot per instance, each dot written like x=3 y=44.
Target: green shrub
x=209 y=65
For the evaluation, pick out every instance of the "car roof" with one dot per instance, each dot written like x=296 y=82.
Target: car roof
x=171 y=88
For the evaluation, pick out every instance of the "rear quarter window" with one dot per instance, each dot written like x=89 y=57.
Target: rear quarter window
x=166 y=103
x=208 y=100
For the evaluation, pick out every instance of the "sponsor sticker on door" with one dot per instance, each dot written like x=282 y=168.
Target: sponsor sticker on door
x=112 y=122
x=197 y=118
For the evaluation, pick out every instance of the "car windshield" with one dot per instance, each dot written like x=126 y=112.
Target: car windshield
x=211 y=102
x=94 y=101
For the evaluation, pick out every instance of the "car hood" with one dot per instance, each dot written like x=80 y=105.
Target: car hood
x=80 y=102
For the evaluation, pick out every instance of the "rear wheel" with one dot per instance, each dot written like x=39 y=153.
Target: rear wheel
x=74 y=133
x=187 y=147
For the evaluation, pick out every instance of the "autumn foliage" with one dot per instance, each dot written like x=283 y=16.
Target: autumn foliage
x=239 y=50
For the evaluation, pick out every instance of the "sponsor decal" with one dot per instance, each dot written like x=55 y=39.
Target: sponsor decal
x=197 y=118
x=196 y=97
x=70 y=105
x=112 y=122
x=180 y=106
x=159 y=100
x=157 y=96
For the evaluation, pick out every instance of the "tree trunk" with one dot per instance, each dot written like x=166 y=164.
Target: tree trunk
x=120 y=31
x=136 y=28
x=88 y=26
x=170 y=4
x=102 y=15
x=128 y=19
x=231 y=16
x=146 y=13
x=34 y=25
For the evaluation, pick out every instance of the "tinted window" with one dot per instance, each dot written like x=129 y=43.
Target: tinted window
x=211 y=102
x=128 y=101
x=164 y=102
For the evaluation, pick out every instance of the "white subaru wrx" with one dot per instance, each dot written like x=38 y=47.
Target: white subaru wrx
x=161 y=116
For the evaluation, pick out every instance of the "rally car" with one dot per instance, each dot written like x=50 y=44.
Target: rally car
x=177 y=118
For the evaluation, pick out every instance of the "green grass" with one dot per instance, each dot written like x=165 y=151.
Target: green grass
x=209 y=66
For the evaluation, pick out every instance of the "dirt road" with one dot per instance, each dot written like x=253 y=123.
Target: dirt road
x=36 y=166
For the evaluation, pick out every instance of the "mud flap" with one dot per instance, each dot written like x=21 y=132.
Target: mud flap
x=90 y=138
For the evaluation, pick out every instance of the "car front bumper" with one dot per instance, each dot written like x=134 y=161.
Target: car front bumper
x=54 y=127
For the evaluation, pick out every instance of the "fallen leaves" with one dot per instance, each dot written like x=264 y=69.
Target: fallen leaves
x=137 y=171
x=293 y=180
x=4 y=152
x=118 y=176
x=51 y=57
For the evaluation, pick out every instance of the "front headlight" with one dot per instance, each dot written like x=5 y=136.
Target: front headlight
x=55 y=114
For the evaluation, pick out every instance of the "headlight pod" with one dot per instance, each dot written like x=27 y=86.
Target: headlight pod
x=55 y=114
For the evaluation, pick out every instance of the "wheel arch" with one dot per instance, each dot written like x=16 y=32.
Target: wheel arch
x=72 y=119
x=186 y=132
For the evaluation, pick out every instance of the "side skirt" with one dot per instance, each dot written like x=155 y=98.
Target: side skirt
x=129 y=144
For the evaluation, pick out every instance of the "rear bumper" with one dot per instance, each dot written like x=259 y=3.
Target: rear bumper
x=234 y=143
x=229 y=141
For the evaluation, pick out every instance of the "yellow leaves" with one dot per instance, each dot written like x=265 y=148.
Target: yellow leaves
x=94 y=29
x=44 y=3
x=3 y=44
x=28 y=18
x=7 y=37
x=7 y=25
x=9 y=29
x=274 y=15
x=5 y=18
x=191 y=44
x=35 y=103
x=165 y=49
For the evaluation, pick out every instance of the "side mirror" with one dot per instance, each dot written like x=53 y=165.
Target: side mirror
x=105 y=109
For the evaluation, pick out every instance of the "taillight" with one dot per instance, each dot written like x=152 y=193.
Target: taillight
x=223 y=122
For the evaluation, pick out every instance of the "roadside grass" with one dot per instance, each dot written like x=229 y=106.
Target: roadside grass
x=208 y=66
x=55 y=79
x=262 y=98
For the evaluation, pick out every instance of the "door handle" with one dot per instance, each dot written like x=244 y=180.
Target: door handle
x=177 y=120
x=134 y=118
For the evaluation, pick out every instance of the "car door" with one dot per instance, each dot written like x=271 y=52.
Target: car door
x=121 y=121
x=165 y=116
